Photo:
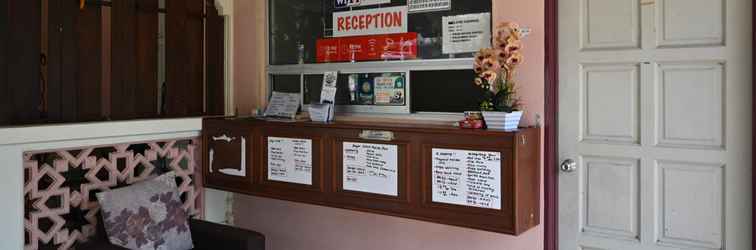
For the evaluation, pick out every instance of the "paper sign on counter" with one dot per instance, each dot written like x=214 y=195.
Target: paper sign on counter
x=283 y=105
x=467 y=178
x=290 y=160
x=371 y=168
x=466 y=33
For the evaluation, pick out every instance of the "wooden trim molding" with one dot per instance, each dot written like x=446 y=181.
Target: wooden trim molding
x=551 y=146
x=753 y=128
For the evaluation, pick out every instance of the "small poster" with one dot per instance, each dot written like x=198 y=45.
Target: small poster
x=371 y=168
x=466 y=33
x=382 y=89
x=290 y=160
x=370 y=22
x=399 y=46
x=416 y=6
x=389 y=90
x=467 y=178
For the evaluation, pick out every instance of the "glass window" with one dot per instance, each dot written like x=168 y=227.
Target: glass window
x=432 y=82
x=296 y=25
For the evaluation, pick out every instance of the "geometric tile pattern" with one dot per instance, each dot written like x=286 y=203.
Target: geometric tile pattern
x=60 y=185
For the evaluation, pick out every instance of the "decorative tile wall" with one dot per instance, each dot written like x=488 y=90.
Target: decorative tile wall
x=60 y=186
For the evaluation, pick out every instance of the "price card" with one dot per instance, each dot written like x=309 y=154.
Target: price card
x=290 y=160
x=467 y=178
x=371 y=168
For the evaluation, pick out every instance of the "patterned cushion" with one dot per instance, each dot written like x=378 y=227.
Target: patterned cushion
x=146 y=215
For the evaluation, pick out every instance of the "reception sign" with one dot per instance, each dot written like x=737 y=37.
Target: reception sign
x=370 y=22
x=367 y=48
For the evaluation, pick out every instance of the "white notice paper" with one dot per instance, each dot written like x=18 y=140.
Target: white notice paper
x=416 y=6
x=371 y=168
x=290 y=160
x=466 y=33
x=467 y=178
x=284 y=105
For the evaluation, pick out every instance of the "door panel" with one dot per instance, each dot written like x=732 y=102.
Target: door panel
x=655 y=109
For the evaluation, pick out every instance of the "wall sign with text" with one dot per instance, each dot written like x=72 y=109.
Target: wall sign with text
x=367 y=48
x=370 y=22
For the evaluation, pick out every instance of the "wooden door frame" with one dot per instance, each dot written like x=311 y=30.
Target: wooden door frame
x=551 y=145
x=551 y=140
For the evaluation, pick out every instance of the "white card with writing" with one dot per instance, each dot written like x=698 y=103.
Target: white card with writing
x=466 y=33
x=290 y=160
x=467 y=178
x=371 y=168
x=284 y=105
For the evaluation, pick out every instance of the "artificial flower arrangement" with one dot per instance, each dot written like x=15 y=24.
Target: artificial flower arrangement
x=495 y=68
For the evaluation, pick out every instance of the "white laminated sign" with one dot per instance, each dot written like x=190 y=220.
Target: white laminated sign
x=370 y=22
x=466 y=33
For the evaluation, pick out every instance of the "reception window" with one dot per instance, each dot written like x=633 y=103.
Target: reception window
x=392 y=56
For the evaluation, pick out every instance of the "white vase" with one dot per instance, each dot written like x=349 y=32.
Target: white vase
x=502 y=120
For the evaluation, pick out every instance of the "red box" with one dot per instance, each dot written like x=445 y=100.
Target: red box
x=367 y=48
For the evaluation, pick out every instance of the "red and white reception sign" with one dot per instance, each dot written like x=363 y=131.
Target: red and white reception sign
x=370 y=22
x=367 y=48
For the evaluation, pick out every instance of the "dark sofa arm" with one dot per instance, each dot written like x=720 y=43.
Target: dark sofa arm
x=209 y=236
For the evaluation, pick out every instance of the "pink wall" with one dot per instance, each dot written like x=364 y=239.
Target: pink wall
x=292 y=226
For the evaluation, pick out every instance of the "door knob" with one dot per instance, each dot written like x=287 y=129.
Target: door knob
x=568 y=166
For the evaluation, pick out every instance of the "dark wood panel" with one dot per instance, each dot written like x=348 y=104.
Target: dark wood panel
x=134 y=59
x=520 y=171
x=89 y=61
x=5 y=108
x=215 y=56
x=23 y=69
x=123 y=60
x=146 y=86
x=184 y=58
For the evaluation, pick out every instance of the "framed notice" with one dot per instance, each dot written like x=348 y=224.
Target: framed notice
x=290 y=160
x=467 y=178
x=371 y=168
x=466 y=33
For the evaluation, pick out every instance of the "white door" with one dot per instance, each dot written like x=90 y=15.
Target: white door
x=655 y=111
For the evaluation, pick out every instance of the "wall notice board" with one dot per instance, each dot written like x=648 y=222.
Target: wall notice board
x=488 y=180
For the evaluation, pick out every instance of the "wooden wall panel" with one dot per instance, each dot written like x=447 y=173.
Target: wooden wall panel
x=89 y=73
x=123 y=61
x=4 y=105
x=215 y=65
x=147 y=22
x=23 y=70
x=184 y=57
x=134 y=59
x=62 y=62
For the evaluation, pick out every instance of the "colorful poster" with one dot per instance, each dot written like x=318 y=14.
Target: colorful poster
x=370 y=22
x=356 y=3
x=367 y=48
x=389 y=90
x=466 y=33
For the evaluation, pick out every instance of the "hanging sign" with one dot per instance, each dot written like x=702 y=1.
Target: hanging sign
x=367 y=48
x=370 y=22
x=356 y=3
x=466 y=33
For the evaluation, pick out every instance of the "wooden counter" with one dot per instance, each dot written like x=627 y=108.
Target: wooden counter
x=411 y=171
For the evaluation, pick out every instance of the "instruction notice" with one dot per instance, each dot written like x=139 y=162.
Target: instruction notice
x=466 y=33
x=370 y=168
x=290 y=160
x=467 y=178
